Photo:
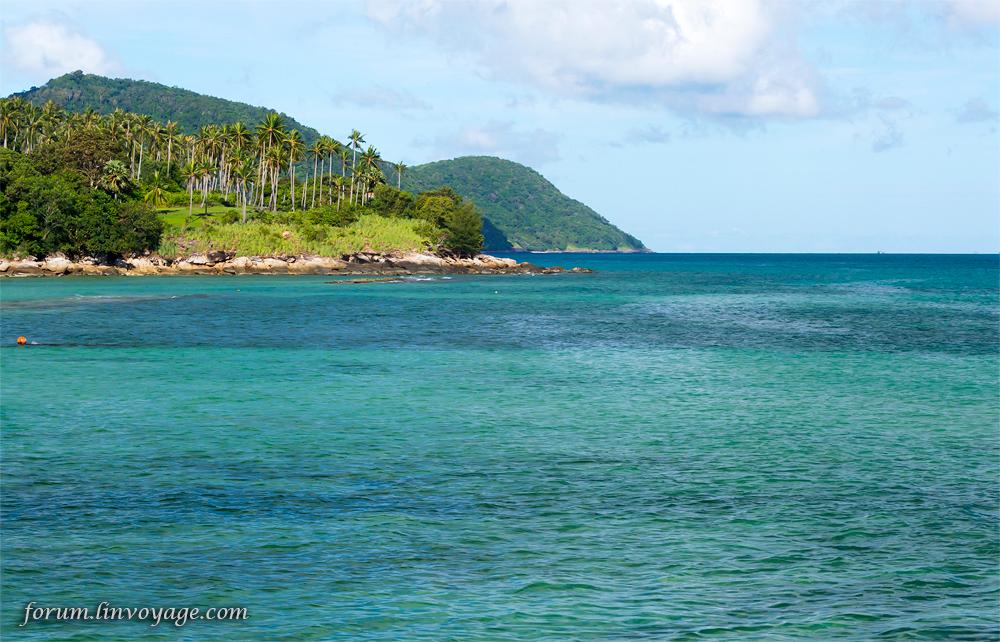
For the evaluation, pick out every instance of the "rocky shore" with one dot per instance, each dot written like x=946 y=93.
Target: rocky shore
x=362 y=263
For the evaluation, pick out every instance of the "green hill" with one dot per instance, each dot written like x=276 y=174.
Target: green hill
x=78 y=91
x=523 y=209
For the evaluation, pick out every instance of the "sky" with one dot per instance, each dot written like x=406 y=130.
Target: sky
x=695 y=125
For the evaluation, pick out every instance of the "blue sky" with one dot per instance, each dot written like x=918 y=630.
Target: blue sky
x=696 y=125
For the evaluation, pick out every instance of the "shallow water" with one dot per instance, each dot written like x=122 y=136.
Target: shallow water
x=675 y=447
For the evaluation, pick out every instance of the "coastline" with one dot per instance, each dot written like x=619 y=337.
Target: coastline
x=227 y=263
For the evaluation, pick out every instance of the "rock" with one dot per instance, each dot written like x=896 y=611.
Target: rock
x=274 y=265
x=57 y=264
x=26 y=266
x=581 y=270
x=91 y=269
x=286 y=234
x=189 y=267
x=238 y=265
x=315 y=265
x=198 y=259
x=142 y=265
x=219 y=256
x=4 y=265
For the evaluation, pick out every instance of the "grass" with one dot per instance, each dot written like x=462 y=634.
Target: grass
x=369 y=233
x=178 y=216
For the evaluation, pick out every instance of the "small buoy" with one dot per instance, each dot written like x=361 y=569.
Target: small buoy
x=21 y=341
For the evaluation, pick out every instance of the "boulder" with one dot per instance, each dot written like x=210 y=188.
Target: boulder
x=26 y=266
x=92 y=269
x=57 y=264
x=274 y=265
x=219 y=256
x=142 y=265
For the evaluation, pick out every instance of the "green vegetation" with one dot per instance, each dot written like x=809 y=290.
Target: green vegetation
x=521 y=209
x=78 y=92
x=297 y=238
x=59 y=212
x=88 y=184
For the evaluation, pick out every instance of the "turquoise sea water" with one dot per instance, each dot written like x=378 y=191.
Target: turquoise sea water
x=677 y=447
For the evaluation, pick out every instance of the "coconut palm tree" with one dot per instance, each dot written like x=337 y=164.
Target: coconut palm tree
x=190 y=172
x=205 y=170
x=156 y=196
x=243 y=172
x=169 y=133
x=400 y=168
x=318 y=151
x=369 y=169
x=356 y=139
x=294 y=146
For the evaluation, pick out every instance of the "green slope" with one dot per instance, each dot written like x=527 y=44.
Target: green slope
x=77 y=91
x=524 y=210
x=521 y=209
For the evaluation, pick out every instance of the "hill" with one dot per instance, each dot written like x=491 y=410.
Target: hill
x=78 y=91
x=523 y=210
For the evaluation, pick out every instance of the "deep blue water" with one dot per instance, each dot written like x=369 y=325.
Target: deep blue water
x=731 y=447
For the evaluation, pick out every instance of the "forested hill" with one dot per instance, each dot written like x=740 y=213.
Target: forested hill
x=520 y=207
x=78 y=91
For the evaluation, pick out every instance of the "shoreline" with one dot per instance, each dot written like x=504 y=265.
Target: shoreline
x=227 y=263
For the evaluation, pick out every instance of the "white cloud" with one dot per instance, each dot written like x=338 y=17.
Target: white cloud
x=499 y=139
x=974 y=12
x=720 y=57
x=53 y=49
x=977 y=110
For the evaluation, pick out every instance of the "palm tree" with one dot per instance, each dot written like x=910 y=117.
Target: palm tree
x=191 y=174
x=169 y=132
x=115 y=178
x=295 y=146
x=318 y=151
x=356 y=139
x=243 y=171
x=370 y=170
x=269 y=133
x=400 y=168
x=156 y=195
x=205 y=170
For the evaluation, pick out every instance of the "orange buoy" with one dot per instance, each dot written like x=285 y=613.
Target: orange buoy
x=21 y=341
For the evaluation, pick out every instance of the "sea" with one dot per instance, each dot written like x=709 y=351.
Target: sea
x=675 y=447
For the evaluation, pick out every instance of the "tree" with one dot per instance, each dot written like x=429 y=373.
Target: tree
x=295 y=146
x=115 y=178
x=318 y=151
x=169 y=133
x=86 y=152
x=464 y=230
x=392 y=202
x=190 y=174
x=400 y=168
x=356 y=139
x=156 y=196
